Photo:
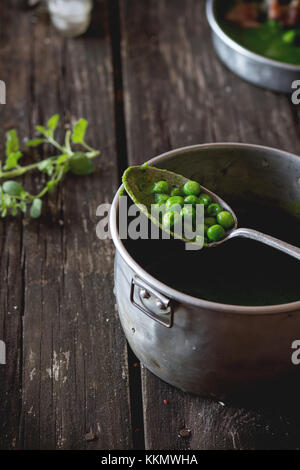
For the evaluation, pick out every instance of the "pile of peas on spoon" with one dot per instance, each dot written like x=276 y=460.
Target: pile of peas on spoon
x=180 y=202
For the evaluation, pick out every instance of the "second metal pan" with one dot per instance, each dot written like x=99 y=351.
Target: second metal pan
x=261 y=71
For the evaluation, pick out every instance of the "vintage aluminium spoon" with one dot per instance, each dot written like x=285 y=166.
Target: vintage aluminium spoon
x=138 y=180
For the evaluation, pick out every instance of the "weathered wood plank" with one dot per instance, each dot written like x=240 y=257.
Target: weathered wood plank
x=70 y=360
x=176 y=88
x=177 y=93
x=12 y=259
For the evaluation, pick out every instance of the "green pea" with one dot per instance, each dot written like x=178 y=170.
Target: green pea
x=188 y=211
x=214 y=209
x=215 y=233
x=204 y=199
x=174 y=201
x=161 y=198
x=170 y=218
x=161 y=187
x=191 y=200
x=209 y=221
x=192 y=188
x=225 y=219
x=176 y=192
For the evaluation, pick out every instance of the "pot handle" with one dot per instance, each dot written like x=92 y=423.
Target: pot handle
x=154 y=305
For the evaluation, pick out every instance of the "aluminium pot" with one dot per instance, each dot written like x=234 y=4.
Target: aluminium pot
x=203 y=347
x=255 y=68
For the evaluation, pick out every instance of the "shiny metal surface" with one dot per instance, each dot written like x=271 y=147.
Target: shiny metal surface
x=261 y=71
x=213 y=349
x=152 y=303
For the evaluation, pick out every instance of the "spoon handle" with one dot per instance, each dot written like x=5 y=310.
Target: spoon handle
x=267 y=240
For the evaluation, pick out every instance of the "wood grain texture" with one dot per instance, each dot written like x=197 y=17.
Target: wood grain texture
x=66 y=382
x=177 y=93
x=66 y=373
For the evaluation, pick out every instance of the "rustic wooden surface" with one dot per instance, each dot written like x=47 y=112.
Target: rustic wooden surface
x=66 y=373
x=70 y=381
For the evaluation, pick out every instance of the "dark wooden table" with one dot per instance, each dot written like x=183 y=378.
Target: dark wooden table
x=147 y=79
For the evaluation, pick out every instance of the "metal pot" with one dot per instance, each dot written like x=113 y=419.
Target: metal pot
x=204 y=347
x=261 y=71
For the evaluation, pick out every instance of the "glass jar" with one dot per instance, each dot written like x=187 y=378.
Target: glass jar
x=70 y=17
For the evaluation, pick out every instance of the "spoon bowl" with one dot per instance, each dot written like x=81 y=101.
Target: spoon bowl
x=138 y=181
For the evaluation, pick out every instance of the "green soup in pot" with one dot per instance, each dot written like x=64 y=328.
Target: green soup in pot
x=238 y=272
x=269 y=40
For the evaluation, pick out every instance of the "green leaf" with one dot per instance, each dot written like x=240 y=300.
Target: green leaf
x=12 y=151
x=44 y=164
x=62 y=158
x=79 y=130
x=36 y=208
x=12 y=142
x=9 y=202
x=23 y=206
x=53 y=122
x=42 y=130
x=62 y=163
x=14 y=211
x=5 y=200
x=12 y=188
x=34 y=142
x=12 y=160
x=80 y=164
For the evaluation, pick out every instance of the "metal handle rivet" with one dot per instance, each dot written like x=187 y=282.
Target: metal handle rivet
x=160 y=305
x=144 y=294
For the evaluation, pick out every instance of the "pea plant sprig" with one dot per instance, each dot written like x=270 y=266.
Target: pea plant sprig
x=13 y=197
